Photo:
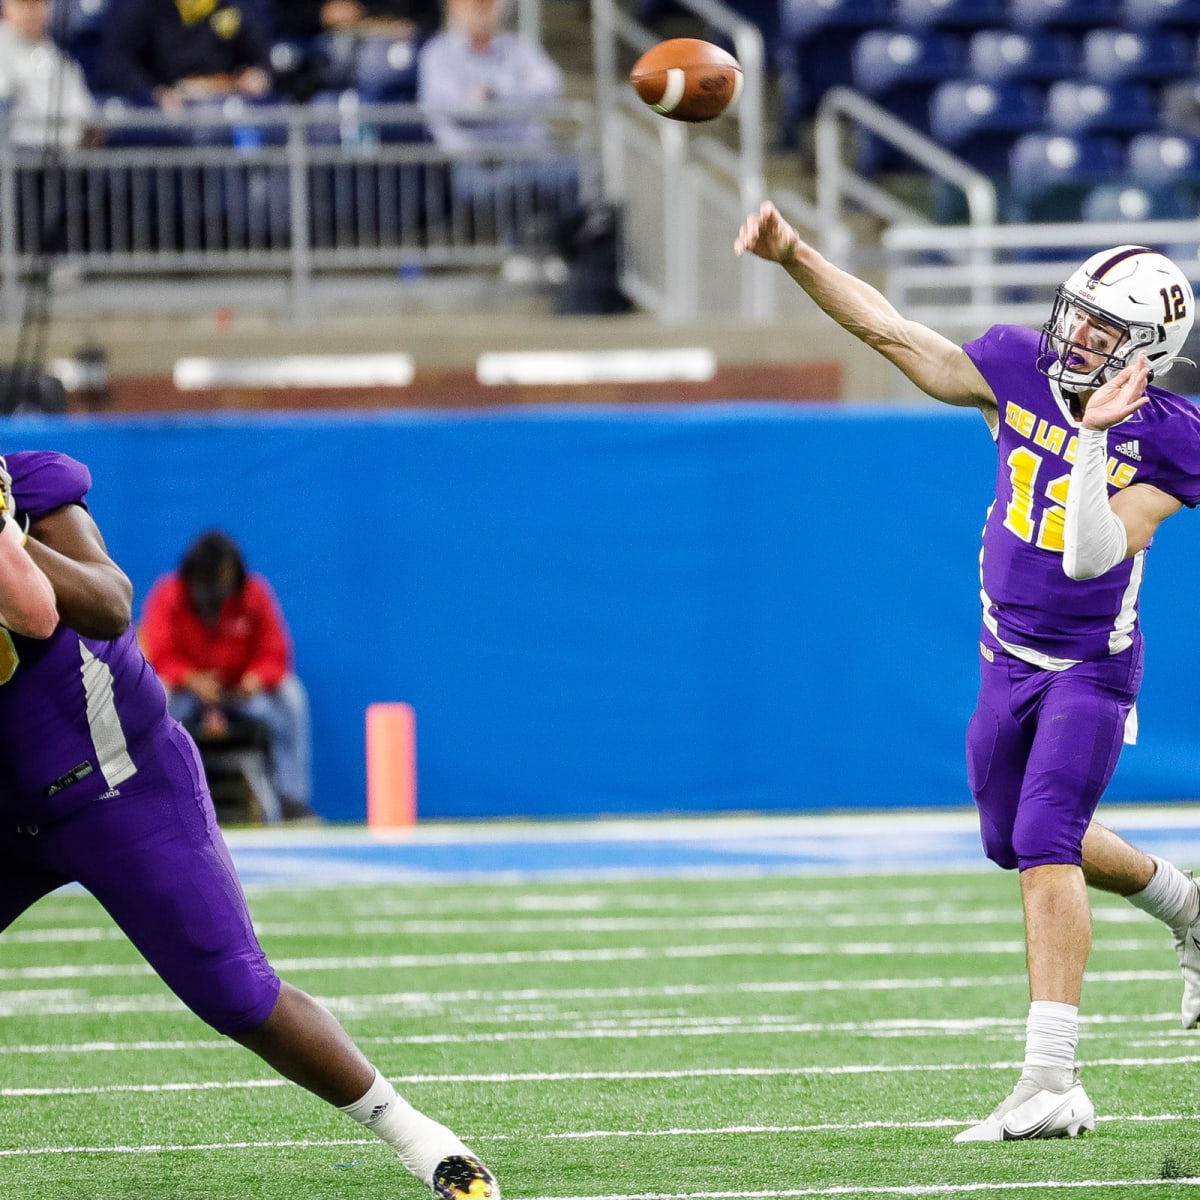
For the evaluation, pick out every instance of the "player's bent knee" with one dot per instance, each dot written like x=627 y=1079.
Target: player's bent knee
x=239 y=1010
x=998 y=847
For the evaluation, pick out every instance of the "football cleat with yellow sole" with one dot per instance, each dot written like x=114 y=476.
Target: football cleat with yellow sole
x=464 y=1177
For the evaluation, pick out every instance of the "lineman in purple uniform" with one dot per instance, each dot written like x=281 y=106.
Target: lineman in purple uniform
x=100 y=786
x=1060 y=571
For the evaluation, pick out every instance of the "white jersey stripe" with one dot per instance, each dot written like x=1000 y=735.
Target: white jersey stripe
x=103 y=720
x=1121 y=637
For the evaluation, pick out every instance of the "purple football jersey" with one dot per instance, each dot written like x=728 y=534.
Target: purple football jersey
x=1028 y=600
x=78 y=713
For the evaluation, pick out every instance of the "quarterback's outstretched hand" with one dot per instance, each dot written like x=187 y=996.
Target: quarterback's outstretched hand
x=766 y=234
x=1120 y=397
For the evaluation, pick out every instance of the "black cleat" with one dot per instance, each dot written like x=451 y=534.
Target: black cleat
x=463 y=1177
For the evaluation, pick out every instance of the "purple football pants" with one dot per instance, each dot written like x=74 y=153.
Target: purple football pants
x=1041 y=748
x=155 y=859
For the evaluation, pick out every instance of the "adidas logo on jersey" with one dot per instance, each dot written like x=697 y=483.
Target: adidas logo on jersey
x=1130 y=450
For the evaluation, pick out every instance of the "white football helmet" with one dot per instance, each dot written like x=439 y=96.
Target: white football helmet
x=1120 y=301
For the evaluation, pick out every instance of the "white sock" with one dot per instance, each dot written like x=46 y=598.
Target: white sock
x=419 y=1140
x=1051 y=1035
x=1170 y=896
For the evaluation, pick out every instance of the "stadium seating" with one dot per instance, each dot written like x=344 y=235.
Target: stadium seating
x=950 y=14
x=1145 y=57
x=815 y=45
x=1134 y=202
x=385 y=70
x=886 y=64
x=1023 y=57
x=900 y=72
x=1063 y=14
x=1095 y=107
x=979 y=121
x=1167 y=14
x=1051 y=174
x=77 y=26
x=1164 y=158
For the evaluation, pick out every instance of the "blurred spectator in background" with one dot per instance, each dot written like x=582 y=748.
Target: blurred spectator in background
x=397 y=18
x=173 y=51
x=323 y=39
x=43 y=88
x=217 y=638
x=473 y=67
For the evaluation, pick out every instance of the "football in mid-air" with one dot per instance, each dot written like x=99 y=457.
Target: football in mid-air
x=687 y=79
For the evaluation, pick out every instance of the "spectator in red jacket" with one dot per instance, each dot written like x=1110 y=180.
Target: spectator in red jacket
x=216 y=636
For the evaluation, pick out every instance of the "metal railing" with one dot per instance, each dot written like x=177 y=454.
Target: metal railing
x=684 y=190
x=288 y=192
x=933 y=276
x=841 y=187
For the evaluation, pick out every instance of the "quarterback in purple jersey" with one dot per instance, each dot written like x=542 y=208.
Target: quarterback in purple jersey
x=98 y=785
x=1060 y=649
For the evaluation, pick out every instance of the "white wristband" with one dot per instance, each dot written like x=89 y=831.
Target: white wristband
x=1094 y=537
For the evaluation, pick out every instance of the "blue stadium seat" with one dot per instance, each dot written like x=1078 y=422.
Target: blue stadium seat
x=815 y=41
x=965 y=15
x=899 y=71
x=1136 y=202
x=1029 y=57
x=1164 y=158
x=979 y=121
x=78 y=26
x=803 y=18
x=1063 y=14
x=1147 y=57
x=884 y=62
x=385 y=70
x=1050 y=174
x=1094 y=107
x=1165 y=14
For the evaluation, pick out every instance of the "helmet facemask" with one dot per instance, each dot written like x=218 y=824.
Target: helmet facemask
x=1082 y=346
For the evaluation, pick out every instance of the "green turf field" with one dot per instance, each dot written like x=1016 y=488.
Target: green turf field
x=706 y=1038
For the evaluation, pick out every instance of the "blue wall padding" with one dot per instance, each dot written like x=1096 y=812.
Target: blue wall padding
x=742 y=606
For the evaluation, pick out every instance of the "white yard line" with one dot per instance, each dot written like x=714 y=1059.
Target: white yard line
x=74 y=1002
x=501 y=1077
x=563 y=956
x=634 y=1027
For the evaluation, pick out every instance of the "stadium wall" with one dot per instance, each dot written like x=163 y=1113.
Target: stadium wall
x=750 y=606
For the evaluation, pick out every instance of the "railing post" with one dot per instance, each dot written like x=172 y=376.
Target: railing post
x=677 y=247
x=604 y=56
x=301 y=274
x=10 y=287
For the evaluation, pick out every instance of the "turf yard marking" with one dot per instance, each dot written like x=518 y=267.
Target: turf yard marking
x=916 y=1189
x=214 y=1085
x=562 y=956
x=61 y=1002
x=639 y=1026
x=572 y=1136
x=410 y=927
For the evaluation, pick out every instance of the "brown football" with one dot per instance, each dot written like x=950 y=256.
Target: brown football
x=687 y=79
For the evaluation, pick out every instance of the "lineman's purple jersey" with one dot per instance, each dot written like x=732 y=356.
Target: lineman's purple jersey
x=1028 y=600
x=78 y=714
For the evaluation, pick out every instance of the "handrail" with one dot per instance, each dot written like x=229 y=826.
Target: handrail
x=612 y=30
x=198 y=196
x=979 y=190
x=1023 y=288
x=836 y=180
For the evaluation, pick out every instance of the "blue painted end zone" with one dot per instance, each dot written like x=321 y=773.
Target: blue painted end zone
x=872 y=844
